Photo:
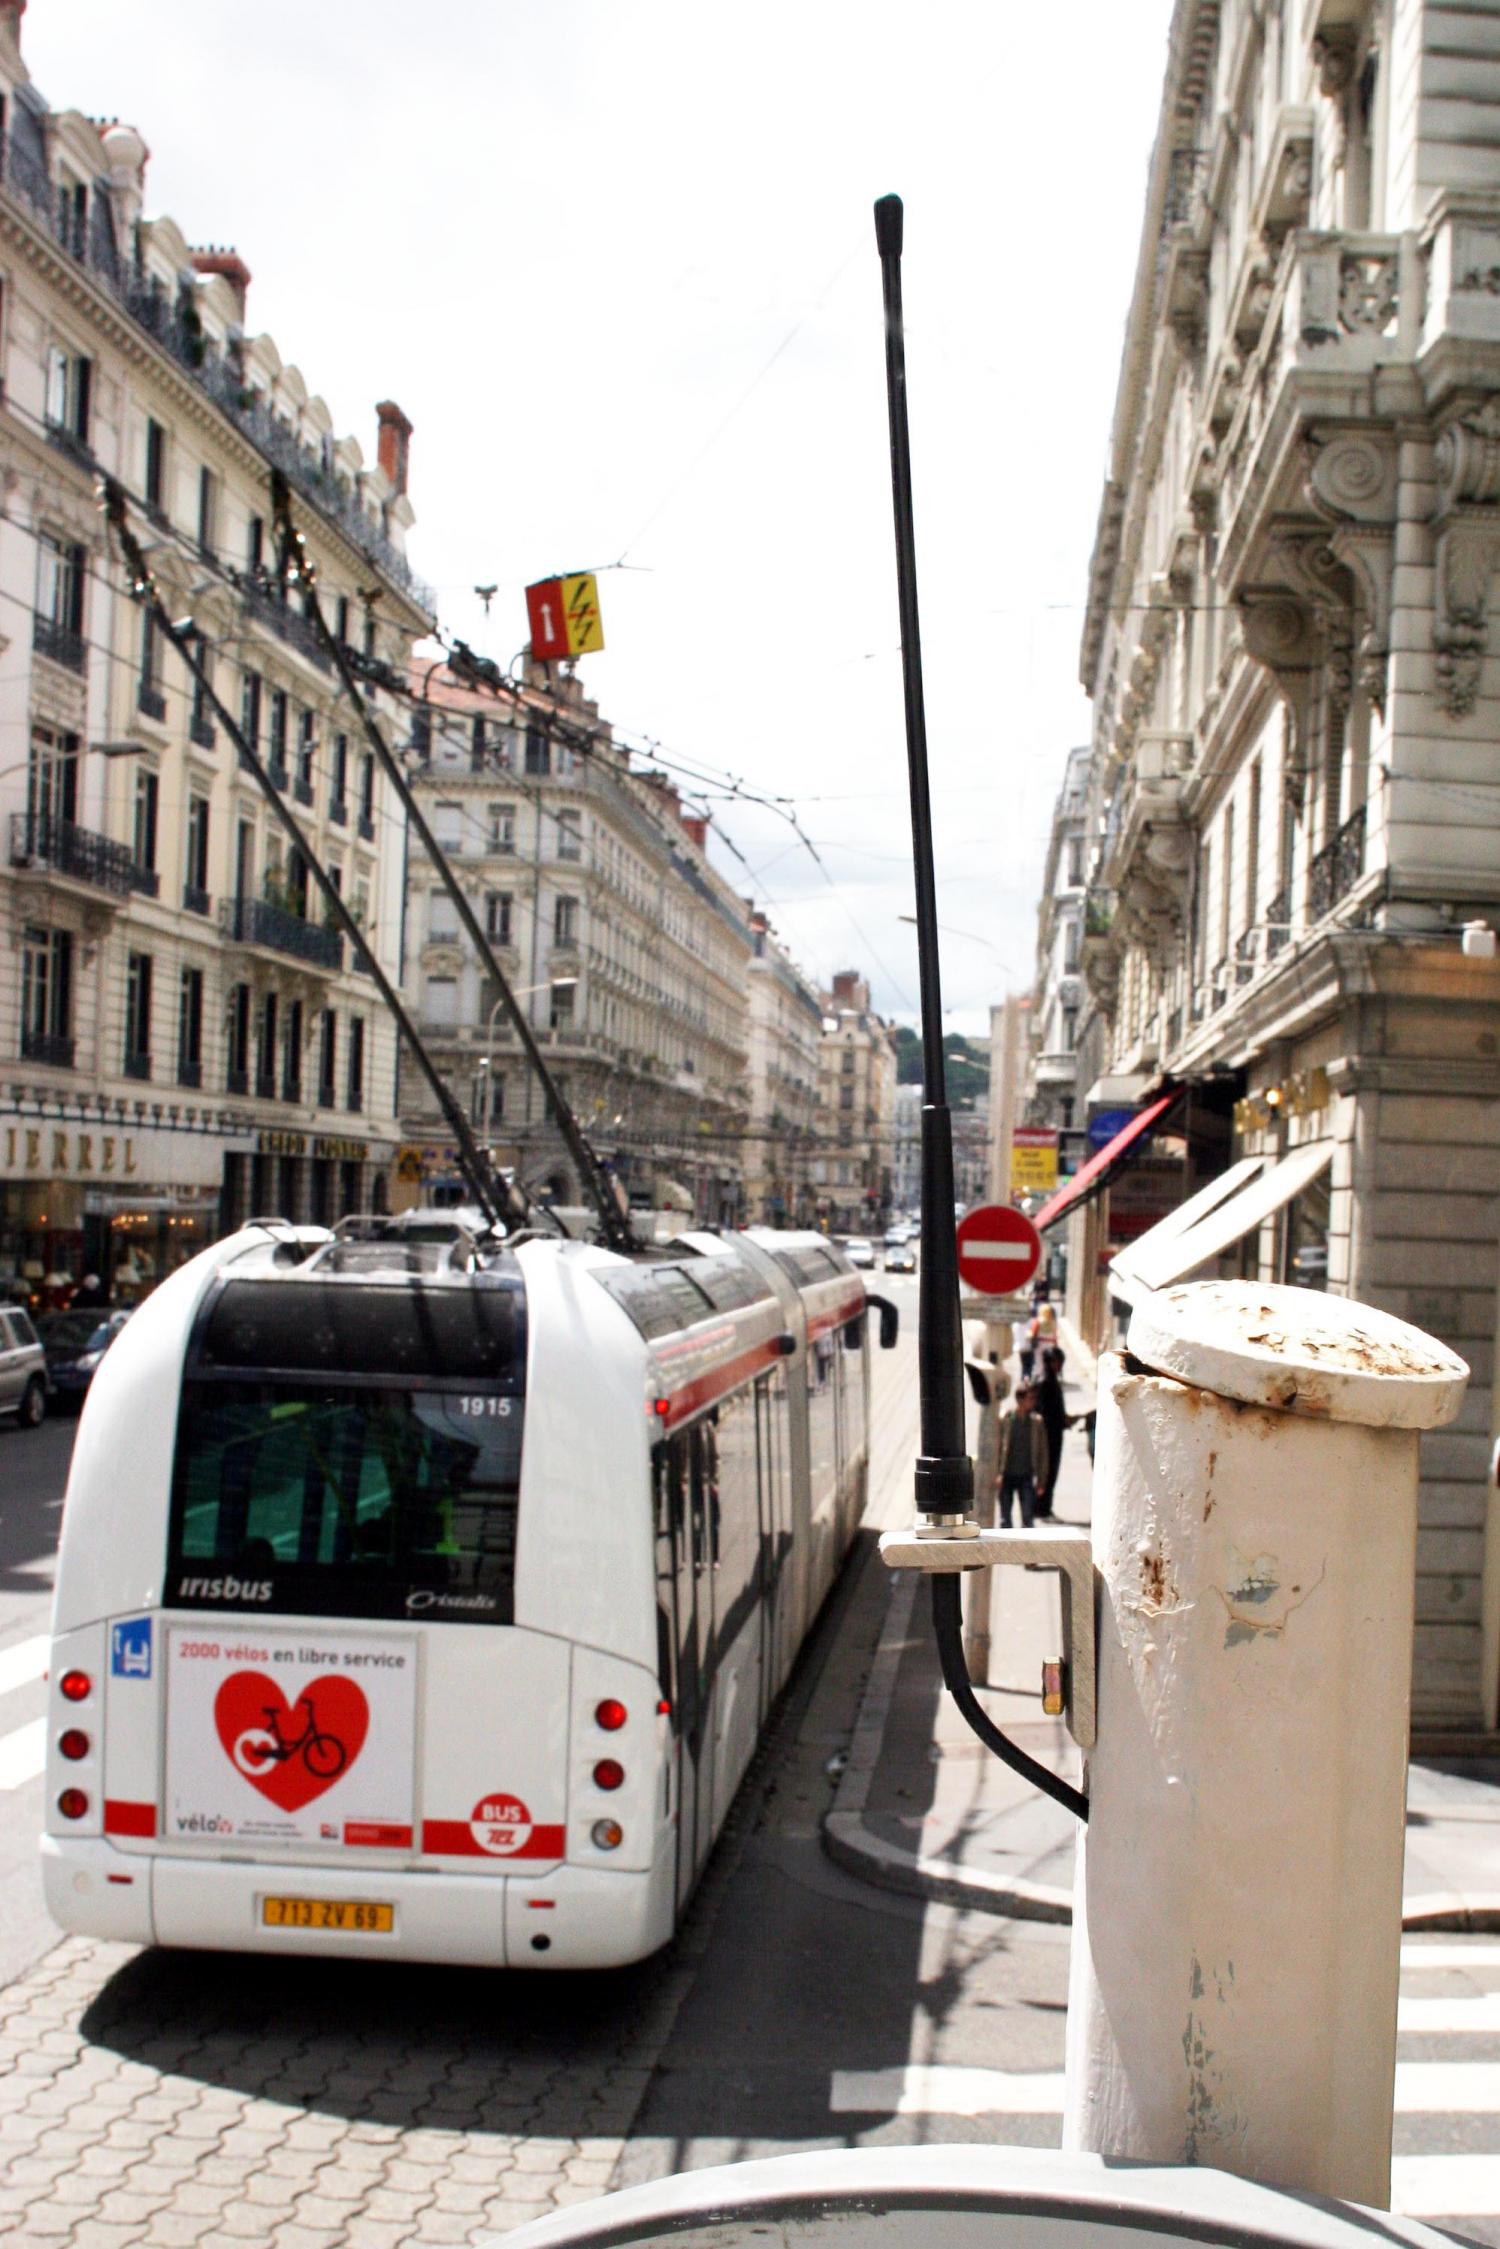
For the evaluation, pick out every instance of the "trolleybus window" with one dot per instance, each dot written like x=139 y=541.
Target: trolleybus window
x=317 y=1499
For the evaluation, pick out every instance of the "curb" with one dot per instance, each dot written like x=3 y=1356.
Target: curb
x=886 y=1866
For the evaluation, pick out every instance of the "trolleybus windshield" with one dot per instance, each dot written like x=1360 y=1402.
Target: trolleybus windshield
x=351 y=1450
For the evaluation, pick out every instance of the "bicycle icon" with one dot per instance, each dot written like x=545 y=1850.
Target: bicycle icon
x=323 y=1754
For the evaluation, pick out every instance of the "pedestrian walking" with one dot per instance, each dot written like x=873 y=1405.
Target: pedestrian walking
x=1023 y=1457
x=1055 y=1418
x=90 y=1294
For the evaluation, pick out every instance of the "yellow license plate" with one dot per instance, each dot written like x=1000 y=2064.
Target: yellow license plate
x=328 y=1913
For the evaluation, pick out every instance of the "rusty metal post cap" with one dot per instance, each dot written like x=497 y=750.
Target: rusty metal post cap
x=1300 y=1352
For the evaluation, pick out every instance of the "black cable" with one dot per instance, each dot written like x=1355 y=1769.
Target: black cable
x=947 y=1622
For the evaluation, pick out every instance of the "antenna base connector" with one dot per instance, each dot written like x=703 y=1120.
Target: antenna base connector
x=945 y=1496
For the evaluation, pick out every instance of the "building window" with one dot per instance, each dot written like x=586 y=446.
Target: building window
x=195 y=897
x=147 y=799
x=538 y=760
x=291 y=1054
x=47 y=997
x=280 y=708
x=255 y=544
x=341 y=616
x=448 y=828
x=367 y=796
x=476 y=742
x=138 y=1016
x=338 y=787
x=570 y=835
x=58 y=631
x=73 y=214
x=565 y=921
x=250 y=698
x=561 y=1013
x=307 y=742
x=70 y=383
x=265 y=1048
x=52 y=776
x=328 y=1054
x=208 y=510
x=497 y=917
x=190 y=1028
x=237 y=1040
x=503 y=829
x=1075 y=861
x=156 y=466
x=442 y=1001
x=355 y=1097
x=442 y=918
x=148 y=695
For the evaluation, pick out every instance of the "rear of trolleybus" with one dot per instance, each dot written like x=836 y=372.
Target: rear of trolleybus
x=340 y=1662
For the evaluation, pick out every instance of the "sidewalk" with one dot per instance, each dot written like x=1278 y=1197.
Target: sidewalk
x=923 y=1808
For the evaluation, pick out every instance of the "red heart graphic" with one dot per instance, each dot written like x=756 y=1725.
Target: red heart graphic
x=291 y=1751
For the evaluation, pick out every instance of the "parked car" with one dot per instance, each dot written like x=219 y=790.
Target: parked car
x=900 y=1257
x=74 y=1343
x=860 y=1251
x=23 y=1368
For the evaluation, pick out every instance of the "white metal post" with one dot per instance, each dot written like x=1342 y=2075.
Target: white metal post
x=1237 y=1917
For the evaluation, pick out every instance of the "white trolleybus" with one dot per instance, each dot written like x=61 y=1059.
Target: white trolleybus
x=423 y=1602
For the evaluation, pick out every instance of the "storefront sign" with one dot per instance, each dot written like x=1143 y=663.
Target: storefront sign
x=1033 y=1160
x=270 y=1143
x=341 y=1151
x=1106 y=1125
x=36 y=1148
x=289 y=1738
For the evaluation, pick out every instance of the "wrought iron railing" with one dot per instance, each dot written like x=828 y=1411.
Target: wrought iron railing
x=263 y=600
x=59 y=643
x=1335 y=869
x=178 y=329
x=40 y=839
x=190 y=1074
x=237 y=1081
x=151 y=702
x=137 y=1066
x=194 y=900
x=200 y=731
x=255 y=921
x=51 y=1047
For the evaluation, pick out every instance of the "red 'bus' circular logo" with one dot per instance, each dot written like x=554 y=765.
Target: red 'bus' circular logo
x=500 y=1825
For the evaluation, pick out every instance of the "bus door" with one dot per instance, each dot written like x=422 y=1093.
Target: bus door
x=703 y=1535
x=670 y=1528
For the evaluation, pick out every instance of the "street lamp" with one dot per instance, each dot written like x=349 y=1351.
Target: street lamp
x=487 y=1059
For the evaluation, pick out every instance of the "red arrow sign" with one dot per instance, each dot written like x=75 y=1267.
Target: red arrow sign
x=998 y=1250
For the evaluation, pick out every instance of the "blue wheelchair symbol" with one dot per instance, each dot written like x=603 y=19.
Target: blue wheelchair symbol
x=130 y=1648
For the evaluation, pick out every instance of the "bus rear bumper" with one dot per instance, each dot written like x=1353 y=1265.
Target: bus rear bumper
x=586 y=1917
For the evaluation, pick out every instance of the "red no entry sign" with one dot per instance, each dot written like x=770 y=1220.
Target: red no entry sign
x=998 y=1250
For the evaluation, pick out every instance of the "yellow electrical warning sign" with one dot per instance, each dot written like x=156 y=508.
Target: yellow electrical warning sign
x=564 y=617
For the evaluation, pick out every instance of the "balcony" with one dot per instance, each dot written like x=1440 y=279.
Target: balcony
x=338 y=811
x=255 y=921
x=196 y=901
x=367 y=826
x=190 y=1074
x=276 y=769
x=264 y=602
x=138 y=1066
x=202 y=733
x=1336 y=869
x=59 y=643
x=302 y=790
x=50 y=1047
x=237 y=1081
x=39 y=840
x=151 y=703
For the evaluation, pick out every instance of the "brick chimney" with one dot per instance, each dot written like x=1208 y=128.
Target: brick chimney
x=11 y=12
x=231 y=265
x=395 y=443
x=696 y=828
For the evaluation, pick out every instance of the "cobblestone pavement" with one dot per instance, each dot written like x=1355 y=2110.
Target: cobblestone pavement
x=170 y=2099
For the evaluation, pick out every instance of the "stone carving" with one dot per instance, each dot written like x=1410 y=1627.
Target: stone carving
x=1351 y=478
x=1467 y=553
x=1467 y=459
x=1473 y=279
x=1354 y=474
x=1368 y=294
x=1335 y=52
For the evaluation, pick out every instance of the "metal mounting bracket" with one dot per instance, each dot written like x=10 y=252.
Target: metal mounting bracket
x=1052 y=1547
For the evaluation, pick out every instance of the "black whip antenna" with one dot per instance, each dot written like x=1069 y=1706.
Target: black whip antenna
x=944 y=1473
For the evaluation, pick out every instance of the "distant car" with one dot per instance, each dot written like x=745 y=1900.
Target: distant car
x=23 y=1368
x=74 y=1343
x=897 y=1234
x=860 y=1251
x=900 y=1257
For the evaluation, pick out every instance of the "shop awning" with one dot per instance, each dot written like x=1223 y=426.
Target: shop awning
x=1122 y=1271
x=1095 y=1175
x=1160 y=1266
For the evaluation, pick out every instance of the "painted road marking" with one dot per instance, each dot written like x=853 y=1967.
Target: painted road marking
x=1445 y=2186
x=1481 y=2014
x=23 y=1754
x=943 y=2089
x=26 y=1661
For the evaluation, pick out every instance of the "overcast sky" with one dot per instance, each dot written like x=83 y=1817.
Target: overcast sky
x=616 y=261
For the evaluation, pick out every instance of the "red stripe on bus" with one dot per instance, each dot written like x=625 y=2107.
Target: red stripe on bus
x=454 y=1839
x=377 y=1836
x=849 y=1310
x=128 y=1819
x=694 y=1396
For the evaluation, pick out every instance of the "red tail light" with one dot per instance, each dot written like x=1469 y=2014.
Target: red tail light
x=611 y=1715
x=74 y=1744
x=608 y=1774
x=75 y=1686
x=72 y=1803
